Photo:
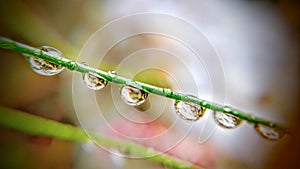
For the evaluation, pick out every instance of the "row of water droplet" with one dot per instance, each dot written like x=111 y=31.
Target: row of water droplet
x=134 y=97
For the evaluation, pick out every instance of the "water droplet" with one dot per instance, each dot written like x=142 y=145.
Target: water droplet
x=133 y=96
x=188 y=111
x=227 y=109
x=93 y=81
x=269 y=133
x=204 y=103
x=117 y=158
x=43 y=67
x=37 y=51
x=112 y=73
x=228 y=121
x=88 y=146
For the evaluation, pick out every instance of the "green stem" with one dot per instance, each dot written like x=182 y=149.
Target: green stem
x=34 y=125
x=72 y=65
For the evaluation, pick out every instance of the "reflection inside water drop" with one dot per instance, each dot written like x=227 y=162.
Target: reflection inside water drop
x=133 y=96
x=94 y=82
x=269 y=133
x=188 y=111
x=43 y=67
x=226 y=120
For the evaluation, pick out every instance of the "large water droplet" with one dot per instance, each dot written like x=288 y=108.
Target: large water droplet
x=93 y=81
x=225 y=120
x=269 y=133
x=43 y=67
x=133 y=96
x=188 y=111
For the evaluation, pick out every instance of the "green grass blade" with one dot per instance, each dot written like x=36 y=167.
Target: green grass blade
x=35 y=125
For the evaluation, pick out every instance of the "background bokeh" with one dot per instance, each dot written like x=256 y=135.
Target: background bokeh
x=257 y=43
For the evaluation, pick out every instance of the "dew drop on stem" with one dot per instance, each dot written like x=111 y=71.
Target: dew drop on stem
x=188 y=111
x=93 y=81
x=225 y=120
x=117 y=158
x=43 y=67
x=269 y=133
x=88 y=146
x=133 y=96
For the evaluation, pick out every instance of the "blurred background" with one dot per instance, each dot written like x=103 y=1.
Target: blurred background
x=257 y=43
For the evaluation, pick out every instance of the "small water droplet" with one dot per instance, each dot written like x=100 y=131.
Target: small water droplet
x=228 y=121
x=43 y=67
x=269 y=133
x=88 y=146
x=204 y=103
x=188 y=111
x=112 y=73
x=93 y=81
x=117 y=158
x=227 y=109
x=133 y=96
x=37 y=51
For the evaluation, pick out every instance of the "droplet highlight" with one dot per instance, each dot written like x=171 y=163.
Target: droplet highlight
x=227 y=109
x=225 y=120
x=43 y=67
x=269 y=133
x=188 y=111
x=112 y=73
x=133 y=96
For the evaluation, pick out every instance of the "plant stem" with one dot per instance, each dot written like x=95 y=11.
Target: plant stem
x=72 y=65
x=35 y=125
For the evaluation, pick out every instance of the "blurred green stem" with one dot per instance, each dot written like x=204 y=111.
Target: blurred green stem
x=72 y=65
x=34 y=125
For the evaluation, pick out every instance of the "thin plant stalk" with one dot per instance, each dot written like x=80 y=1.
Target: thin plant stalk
x=39 y=126
x=6 y=43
